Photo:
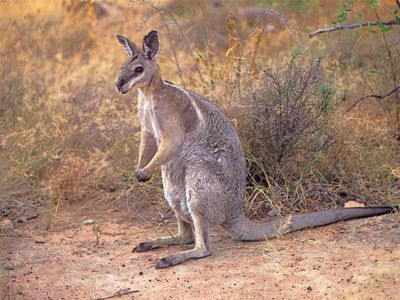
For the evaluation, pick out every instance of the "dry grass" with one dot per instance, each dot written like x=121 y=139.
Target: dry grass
x=67 y=136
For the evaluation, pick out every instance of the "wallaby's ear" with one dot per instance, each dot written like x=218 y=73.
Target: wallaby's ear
x=129 y=46
x=151 y=44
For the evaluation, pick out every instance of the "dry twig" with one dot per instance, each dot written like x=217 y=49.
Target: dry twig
x=161 y=12
x=352 y=26
x=379 y=97
x=120 y=293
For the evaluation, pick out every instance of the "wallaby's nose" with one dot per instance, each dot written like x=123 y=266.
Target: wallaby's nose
x=119 y=83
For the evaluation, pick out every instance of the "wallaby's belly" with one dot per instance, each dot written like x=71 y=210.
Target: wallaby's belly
x=210 y=179
x=173 y=178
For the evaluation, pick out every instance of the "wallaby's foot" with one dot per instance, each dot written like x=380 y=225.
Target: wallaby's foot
x=145 y=246
x=164 y=241
x=178 y=258
x=184 y=237
x=202 y=248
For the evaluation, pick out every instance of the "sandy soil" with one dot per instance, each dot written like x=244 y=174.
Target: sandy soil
x=357 y=259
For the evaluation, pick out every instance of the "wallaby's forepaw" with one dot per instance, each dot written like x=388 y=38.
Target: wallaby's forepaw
x=143 y=176
x=145 y=246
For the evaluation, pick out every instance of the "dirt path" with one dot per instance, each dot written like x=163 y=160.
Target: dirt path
x=352 y=260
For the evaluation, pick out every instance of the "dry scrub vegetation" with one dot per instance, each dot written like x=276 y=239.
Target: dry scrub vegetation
x=67 y=136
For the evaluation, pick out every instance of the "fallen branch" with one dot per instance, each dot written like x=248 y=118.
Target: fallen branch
x=120 y=293
x=352 y=26
x=379 y=97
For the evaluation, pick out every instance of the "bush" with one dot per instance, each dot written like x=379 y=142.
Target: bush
x=286 y=131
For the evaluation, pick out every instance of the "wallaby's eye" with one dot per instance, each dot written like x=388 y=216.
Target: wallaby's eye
x=139 y=70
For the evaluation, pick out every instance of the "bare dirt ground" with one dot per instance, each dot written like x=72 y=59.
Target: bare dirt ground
x=357 y=259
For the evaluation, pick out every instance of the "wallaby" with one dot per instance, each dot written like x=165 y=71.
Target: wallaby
x=202 y=162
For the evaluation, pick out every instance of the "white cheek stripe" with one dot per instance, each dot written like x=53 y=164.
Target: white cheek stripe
x=134 y=80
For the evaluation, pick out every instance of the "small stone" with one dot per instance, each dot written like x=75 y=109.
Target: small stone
x=39 y=240
x=6 y=224
x=309 y=289
x=140 y=273
x=22 y=220
x=88 y=222
x=8 y=266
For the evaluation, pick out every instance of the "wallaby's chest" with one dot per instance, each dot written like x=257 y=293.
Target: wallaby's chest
x=148 y=119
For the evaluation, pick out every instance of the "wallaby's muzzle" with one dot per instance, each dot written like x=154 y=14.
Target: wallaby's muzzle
x=120 y=85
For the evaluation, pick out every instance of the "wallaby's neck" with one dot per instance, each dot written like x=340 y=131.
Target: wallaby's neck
x=155 y=85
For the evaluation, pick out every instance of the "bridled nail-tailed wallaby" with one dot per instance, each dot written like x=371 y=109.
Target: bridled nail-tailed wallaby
x=202 y=162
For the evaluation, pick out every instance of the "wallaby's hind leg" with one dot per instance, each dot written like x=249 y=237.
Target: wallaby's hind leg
x=201 y=248
x=184 y=236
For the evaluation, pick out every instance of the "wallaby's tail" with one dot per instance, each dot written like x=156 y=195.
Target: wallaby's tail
x=247 y=230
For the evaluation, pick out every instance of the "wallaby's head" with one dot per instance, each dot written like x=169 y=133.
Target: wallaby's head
x=141 y=64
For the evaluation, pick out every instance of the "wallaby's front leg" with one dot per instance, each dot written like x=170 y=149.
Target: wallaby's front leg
x=184 y=236
x=147 y=149
x=200 y=250
x=172 y=136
